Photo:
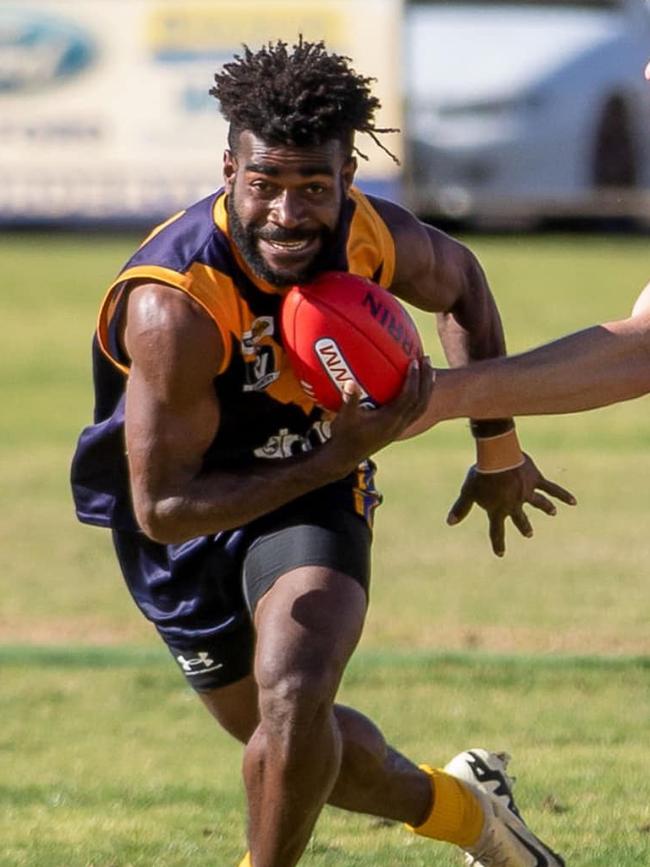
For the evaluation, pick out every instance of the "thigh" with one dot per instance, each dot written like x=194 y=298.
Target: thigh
x=306 y=579
x=310 y=535
x=308 y=625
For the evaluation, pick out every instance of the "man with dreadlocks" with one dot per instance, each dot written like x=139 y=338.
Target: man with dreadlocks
x=240 y=511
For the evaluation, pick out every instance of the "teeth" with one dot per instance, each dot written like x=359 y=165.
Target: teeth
x=289 y=245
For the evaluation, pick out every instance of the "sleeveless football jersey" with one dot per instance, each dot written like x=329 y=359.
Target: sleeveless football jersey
x=265 y=414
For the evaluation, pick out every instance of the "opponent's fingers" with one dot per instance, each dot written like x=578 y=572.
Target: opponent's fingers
x=460 y=510
x=521 y=522
x=498 y=534
x=413 y=398
x=427 y=375
x=350 y=397
x=408 y=393
x=539 y=501
x=350 y=389
x=556 y=491
x=426 y=382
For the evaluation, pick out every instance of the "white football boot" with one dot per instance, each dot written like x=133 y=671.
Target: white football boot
x=506 y=840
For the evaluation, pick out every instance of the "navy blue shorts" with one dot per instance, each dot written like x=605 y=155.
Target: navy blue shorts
x=200 y=595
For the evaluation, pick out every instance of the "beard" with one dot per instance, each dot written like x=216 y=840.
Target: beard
x=247 y=239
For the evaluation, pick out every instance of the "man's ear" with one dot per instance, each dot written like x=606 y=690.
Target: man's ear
x=348 y=172
x=229 y=169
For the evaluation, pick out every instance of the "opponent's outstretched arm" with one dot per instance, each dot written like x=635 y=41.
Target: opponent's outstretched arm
x=595 y=367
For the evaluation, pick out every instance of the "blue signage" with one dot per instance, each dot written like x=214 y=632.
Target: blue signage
x=39 y=50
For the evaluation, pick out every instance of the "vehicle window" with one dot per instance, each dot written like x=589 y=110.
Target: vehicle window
x=587 y=4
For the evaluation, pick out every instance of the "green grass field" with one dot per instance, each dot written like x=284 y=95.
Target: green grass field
x=106 y=759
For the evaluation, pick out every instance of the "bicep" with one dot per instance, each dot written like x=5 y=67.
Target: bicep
x=432 y=270
x=166 y=438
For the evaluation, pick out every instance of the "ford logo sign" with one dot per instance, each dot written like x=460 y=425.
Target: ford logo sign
x=37 y=51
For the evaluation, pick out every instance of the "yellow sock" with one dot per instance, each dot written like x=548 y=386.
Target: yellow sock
x=247 y=861
x=456 y=816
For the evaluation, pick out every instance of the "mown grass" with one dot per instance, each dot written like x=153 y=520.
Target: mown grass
x=111 y=761
x=107 y=760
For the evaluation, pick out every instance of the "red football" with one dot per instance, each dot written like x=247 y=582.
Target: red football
x=340 y=327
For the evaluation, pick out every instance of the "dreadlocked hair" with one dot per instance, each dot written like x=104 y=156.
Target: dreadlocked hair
x=302 y=97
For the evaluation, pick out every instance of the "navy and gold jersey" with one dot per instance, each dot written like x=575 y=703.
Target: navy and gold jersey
x=264 y=411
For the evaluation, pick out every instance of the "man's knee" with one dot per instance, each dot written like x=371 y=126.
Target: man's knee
x=307 y=627
x=292 y=704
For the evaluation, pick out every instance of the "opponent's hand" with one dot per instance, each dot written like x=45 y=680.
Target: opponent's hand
x=503 y=495
x=359 y=432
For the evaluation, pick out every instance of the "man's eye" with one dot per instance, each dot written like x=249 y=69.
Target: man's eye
x=316 y=189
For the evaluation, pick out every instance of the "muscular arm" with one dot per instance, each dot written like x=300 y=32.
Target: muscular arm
x=440 y=275
x=172 y=416
x=436 y=273
x=601 y=365
x=596 y=367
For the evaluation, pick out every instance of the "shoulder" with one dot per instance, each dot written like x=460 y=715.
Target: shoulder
x=164 y=324
x=162 y=307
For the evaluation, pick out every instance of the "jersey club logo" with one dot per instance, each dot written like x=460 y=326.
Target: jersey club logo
x=259 y=354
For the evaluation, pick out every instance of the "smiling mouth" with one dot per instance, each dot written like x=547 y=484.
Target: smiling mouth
x=301 y=245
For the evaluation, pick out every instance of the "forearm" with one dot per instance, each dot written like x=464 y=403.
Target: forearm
x=224 y=499
x=471 y=331
x=601 y=365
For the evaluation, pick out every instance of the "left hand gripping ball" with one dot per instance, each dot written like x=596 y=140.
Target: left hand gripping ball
x=341 y=327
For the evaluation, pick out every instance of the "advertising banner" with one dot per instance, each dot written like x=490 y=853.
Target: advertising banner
x=104 y=106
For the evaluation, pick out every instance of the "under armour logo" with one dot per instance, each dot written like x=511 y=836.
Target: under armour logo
x=199 y=664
